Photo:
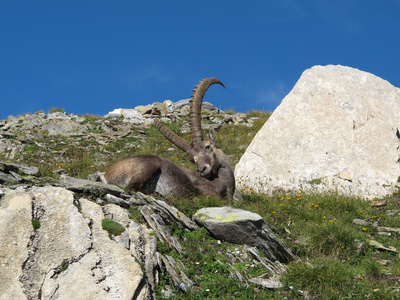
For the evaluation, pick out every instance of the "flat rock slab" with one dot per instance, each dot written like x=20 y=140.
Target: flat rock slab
x=242 y=227
x=7 y=179
x=18 y=168
x=82 y=185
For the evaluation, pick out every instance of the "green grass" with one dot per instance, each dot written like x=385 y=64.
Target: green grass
x=36 y=224
x=333 y=257
x=334 y=260
x=112 y=227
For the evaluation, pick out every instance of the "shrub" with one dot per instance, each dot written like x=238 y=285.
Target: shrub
x=113 y=228
x=36 y=224
x=56 y=109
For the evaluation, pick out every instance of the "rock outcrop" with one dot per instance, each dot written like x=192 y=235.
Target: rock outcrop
x=47 y=243
x=338 y=130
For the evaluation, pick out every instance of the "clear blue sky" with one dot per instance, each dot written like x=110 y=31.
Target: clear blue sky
x=90 y=57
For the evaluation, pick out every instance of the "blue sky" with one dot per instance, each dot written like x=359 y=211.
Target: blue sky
x=90 y=57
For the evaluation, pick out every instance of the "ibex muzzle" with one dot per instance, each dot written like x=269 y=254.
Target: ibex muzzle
x=153 y=174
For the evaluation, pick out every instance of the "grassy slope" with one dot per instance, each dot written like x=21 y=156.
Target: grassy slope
x=335 y=260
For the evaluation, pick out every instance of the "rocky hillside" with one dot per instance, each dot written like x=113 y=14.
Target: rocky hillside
x=63 y=235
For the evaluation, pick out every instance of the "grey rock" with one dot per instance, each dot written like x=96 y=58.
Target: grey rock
x=118 y=201
x=268 y=283
x=381 y=247
x=186 y=102
x=360 y=222
x=159 y=226
x=10 y=147
x=16 y=176
x=243 y=227
x=176 y=215
x=186 y=127
x=19 y=168
x=392 y=213
x=82 y=185
x=5 y=144
x=167 y=292
x=238 y=275
x=170 y=213
x=389 y=229
x=55 y=124
x=275 y=268
x=184 y=111
x=9 y=135
x=7 y=179
x=180 y=104
x=179 y=278
x=64 y=126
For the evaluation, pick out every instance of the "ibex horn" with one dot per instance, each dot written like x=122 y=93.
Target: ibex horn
x=172 y=137
x=195 y=107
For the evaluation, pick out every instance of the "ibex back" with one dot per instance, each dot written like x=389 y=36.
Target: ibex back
x=154 y=174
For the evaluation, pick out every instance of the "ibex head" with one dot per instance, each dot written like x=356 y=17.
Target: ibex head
x=204 y=153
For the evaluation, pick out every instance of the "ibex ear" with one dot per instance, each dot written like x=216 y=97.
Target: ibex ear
x=212 y=135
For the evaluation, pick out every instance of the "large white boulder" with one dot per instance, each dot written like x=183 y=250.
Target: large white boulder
x=338 y=129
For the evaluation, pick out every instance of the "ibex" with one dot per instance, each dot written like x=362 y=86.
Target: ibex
x=153 y=174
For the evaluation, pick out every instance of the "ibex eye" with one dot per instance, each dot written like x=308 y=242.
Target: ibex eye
x=207 y=147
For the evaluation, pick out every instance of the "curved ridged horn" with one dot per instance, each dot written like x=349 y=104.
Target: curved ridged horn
x=195 y=107
x=172 y=137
